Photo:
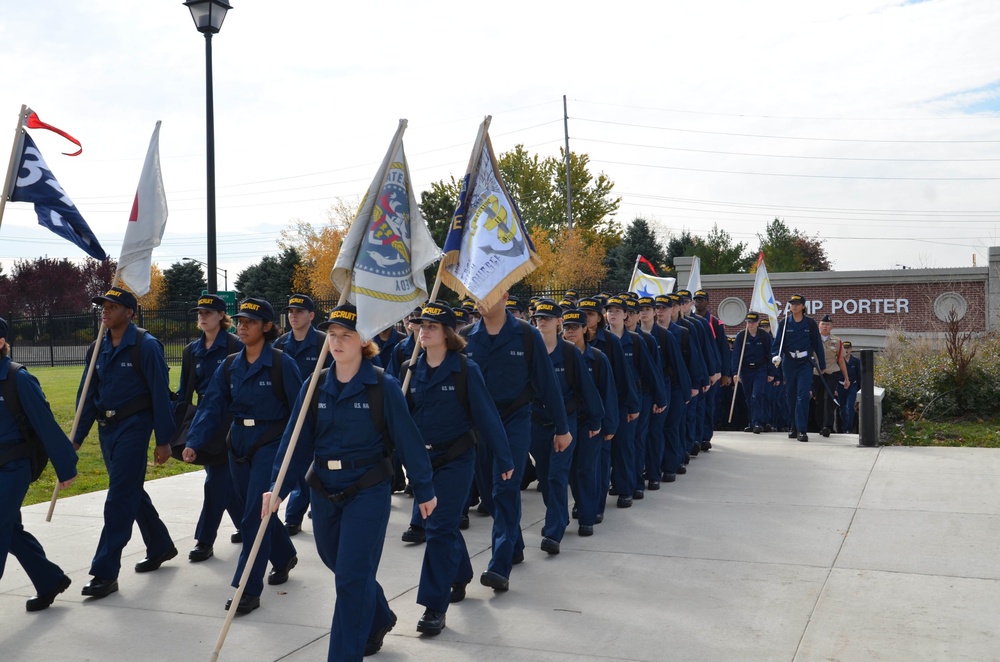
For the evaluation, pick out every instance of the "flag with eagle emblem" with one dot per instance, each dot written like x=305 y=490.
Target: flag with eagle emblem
x=387 y=248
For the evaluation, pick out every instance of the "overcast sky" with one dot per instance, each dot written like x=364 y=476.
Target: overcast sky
x=872 y=124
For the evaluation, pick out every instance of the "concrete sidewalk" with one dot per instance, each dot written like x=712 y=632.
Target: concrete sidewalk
x=768 y=549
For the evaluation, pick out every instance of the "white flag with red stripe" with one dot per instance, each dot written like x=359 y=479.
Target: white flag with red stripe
x=146 y=223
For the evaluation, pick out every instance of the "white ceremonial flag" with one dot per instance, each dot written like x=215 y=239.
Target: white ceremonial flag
x=762 y=300
x=650 y=286
x=487 y=249
x=146 y=223
x=694 y=279
x=387 y=248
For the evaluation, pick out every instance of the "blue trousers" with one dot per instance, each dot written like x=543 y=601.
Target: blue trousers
x=44 y=574
x=505 y=506
x=298 y=502
x=642 y=431
x=583 y=476
x=655 y=445
x=611 y=454
x=692 y=422
x=673 y=447
x=349 y=538
x=553 y=471
x=125 y=448
x=798 y=382
x=446 y=557
x=755 y=388
x=219 y=499
x=708 y=420
x=250 y=481
x=847 y=413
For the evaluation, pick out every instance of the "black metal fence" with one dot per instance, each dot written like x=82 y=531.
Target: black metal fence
x=60 y=339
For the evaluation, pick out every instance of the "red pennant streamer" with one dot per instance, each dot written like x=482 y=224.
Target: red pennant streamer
x=32 y=122
x=648 y=264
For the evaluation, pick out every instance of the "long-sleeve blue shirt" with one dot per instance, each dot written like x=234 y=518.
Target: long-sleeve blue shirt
x=205 y=361
x=506 y=371
x=611 y=346
x=653 y=378
x=802 y=336
x=39 y=416
x=583 y=393
x=599 y=368
x=442 y=418
x=756 y=353
x=248 y=394
x=675 y=371
x=116 y=383
x=709 y=351
x=401 y=353
x=697 y=368
x=718 y=330
x=304 y=352
x=343 y=429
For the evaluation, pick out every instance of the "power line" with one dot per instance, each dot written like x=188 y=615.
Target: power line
x=781 y=156
x=790 y=117
x=796 y=174
x=755 y=135
x=848 y=210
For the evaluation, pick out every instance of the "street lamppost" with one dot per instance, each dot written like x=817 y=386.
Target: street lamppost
x=208 y=16
x=225 y=273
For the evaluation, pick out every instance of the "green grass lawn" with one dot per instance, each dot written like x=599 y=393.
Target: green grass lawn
x=971 y=432
x=60 y=385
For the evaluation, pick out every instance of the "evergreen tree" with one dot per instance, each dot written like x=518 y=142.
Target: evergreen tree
x=639 y=240
x=272 y=278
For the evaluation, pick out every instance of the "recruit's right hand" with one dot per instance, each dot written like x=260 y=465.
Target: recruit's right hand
x=264 y=514
x=427 y=507
x=189 y=455
x=66 y=483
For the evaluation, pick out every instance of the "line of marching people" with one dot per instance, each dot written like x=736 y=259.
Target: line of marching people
x=608 y=395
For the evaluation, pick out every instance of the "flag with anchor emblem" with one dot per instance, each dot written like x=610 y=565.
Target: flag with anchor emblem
x=387 y=248
x=487 y=249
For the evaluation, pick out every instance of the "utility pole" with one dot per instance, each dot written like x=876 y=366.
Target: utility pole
x=569 y=190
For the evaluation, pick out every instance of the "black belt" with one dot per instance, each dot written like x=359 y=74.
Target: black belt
x=456 y=449
x=753 y=365
x=339 y=465
x=115 y=416
x=509 y=409
x=271 y=434
x=21 y=451
x=377 y=474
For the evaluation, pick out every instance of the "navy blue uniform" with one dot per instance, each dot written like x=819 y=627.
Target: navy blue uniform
x=754 y=371
x=349 y=535
x=628 y=403
x=717 y=331
x=218 y=487
x=649 y=429
x=15 y=476
x=442 y=420
x=849 y=396
x=693 y=415
x=800 y=340
x=585 y=473
x=662 y=453
x=387 y=346
x=125 y=443
x=306 y=353
x=249 y=396
x=507 y=374
x=706 y=410
x=581 y=399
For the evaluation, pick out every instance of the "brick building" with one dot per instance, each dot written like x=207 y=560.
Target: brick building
x=867 y=305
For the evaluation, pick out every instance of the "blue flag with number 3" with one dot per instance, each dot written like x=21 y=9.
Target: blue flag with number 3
x=35 y=183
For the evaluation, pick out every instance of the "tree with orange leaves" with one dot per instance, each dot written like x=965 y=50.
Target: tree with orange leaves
x=567 y=260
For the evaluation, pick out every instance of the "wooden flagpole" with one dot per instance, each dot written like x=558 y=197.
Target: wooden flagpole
x=272 y=504
x=477 y=151
x=83 y=397
x=14 y=151
x=739 y=367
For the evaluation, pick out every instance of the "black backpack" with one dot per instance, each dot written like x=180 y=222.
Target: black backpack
x=36 y=449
